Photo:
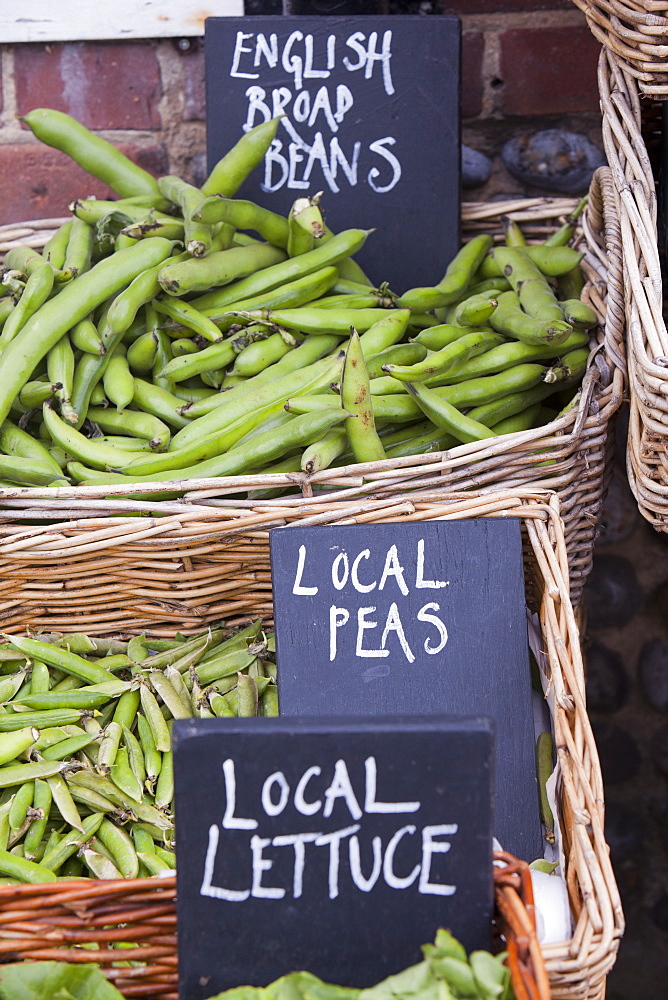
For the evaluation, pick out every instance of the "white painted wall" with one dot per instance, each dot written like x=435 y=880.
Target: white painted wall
x=80 y=20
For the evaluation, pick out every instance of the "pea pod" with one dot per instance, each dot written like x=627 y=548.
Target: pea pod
x=246 y=458
x=13 y=744
x=41 y=804
x=69 y=663
x=24 y=870
x=55 y=858
x=96 y=155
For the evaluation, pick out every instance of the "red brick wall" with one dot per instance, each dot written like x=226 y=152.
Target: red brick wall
x=527 y=64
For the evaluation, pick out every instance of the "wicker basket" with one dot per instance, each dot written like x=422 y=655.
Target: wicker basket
x=647 y=338
x=48 y=921
x=570 y=455
x=636 y=33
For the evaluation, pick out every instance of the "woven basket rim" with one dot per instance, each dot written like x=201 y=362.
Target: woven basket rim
x=576 y=967
x=647 y=335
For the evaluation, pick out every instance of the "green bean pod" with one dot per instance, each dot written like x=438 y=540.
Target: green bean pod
x=446 y=416
x=15 y=441
x=356 y=400
x=118 y=381
x=142 y=352
x=56 y=245
x=442 y=361
x=84 y=337
x=550 y=261
x=37 y=289
x=259 y=355
x=245 y=215
x=476 y=309
x=305 y=225
x=510 y=319
x=578 y=314
x=535 y=295
x=313 y=320
x=146 y=425
x=270 y=277
x=96 y=155
x=506 y=356
x=221 y=267
x=79 y=253
x=73 y=303
x=89 y=450
x=231 y=171
x=197 y=234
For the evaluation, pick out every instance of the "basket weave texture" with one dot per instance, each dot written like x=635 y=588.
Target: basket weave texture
x=647 y=338
x=569 y=455
x=636 y=33
x=46 y=920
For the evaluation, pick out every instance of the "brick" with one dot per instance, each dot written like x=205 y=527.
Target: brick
x=549 y=70
x=37 y=182
x=194 y=97
x=104 y=85
x=473 y=44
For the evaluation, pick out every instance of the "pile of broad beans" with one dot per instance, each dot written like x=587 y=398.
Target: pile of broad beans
x=86 y=780
x=180 y=333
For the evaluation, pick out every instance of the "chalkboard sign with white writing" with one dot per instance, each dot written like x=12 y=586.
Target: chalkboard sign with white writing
x=338 y=846
x=371 y=118
x=414 y=617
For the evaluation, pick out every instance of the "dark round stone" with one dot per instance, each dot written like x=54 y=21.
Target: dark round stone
x=619 y=514
x=607 y=683
x=476 y=167
x=553 y=159
x=624 y=831
x=618 y=752
x=612 y=593
x=653 y=673
x=659 y=912
x=658 y=746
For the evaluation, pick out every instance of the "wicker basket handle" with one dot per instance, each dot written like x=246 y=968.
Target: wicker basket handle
x=516 y=916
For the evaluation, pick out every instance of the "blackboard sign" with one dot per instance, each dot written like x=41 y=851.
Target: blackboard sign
x=421 y=618
x=371 y=108
x=338 y=846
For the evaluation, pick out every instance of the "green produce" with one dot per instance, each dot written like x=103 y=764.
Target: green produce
x=186 y=318
x=83 y=769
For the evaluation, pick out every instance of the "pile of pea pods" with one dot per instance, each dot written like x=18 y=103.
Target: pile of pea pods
x=179 y=333
x=86 y=780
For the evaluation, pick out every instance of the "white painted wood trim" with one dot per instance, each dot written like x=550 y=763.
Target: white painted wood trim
x=83 y=20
